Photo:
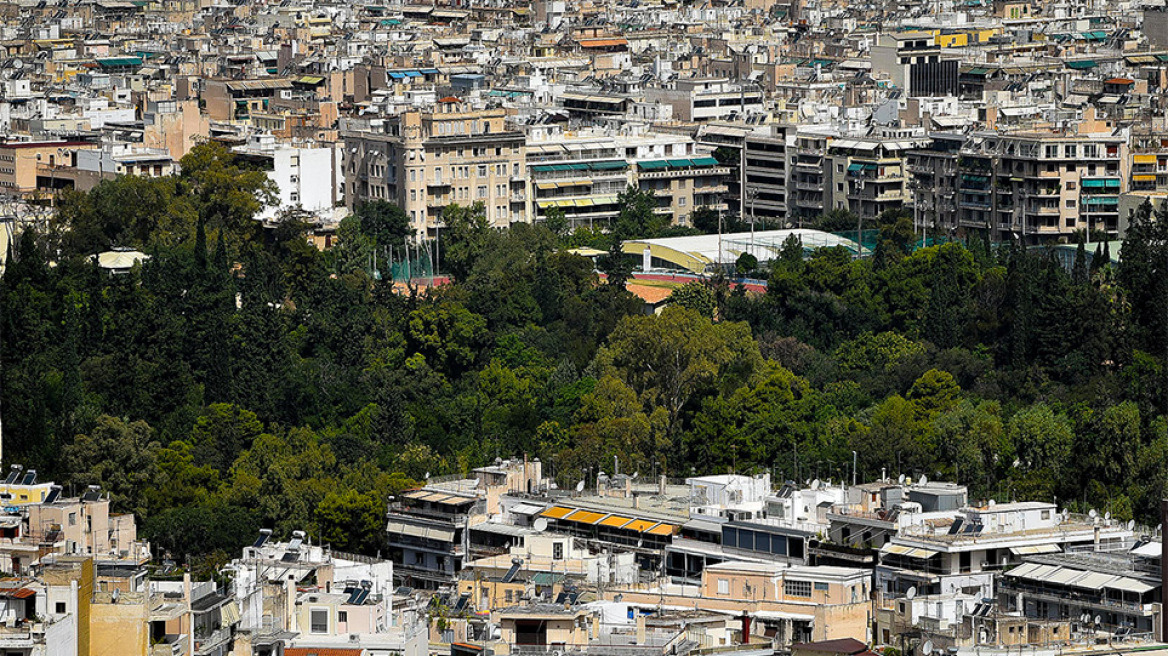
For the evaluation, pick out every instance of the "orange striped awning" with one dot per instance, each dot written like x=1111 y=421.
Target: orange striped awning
x=638 y=525
x=585 y=517
x=662 y=529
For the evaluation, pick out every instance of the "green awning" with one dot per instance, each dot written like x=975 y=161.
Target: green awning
x=115 y=62
x=1163 y=58
x=704 y=161
x=543 y=168
x=975 y=178
x=653 y=165
x=578 y=167
x=1113 y=182
x=679 y=163
x=855 y=168
x=978 y=71
x=546 y=578
x=1082 y=64
x=1103 y=200
x=609 y=166
x=1093 y=184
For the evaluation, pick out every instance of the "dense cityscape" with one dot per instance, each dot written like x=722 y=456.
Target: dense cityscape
x=593 y=328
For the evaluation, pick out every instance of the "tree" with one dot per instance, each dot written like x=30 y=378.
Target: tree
x=467 y=236
x=351 y=521
x=696 y=296
x=706 y=219
x=668 y=358
x=225 y=194
x=119 y=456
x=220 y=435
x=383 y=223
x=638 y=218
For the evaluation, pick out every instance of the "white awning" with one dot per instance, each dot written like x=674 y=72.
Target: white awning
x=425 y=532
x=527 y=509
x=1094 y=581
x=910 y=552
x=1039 y=573
x=229 y=613
x=1065 y=576
x=1023 y=570
x=1129 y=585
x=1034 y=549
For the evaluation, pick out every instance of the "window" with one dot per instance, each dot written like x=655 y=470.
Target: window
x=558 y=551
x=1071 y=150
x=342 y=616
x=723 y=586
x=60 y=608
x=1070 y=203
x=820 y=586
x=1046 y=514
x=1051 y=152
x=482 y=191
x=1072 y=185
x=797 y=588
x=318 y=621
x=507 y=596
x=72 y=519
x=482 y=170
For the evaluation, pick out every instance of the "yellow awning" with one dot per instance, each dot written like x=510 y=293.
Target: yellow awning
x=1144 y=178
x=585 y=517
x=582 y=182
x=556 y=512
x=1145 y=159
x=584 y=202
x=638 y=525
x=546 y=185
x=615 y=521
x=662 y=529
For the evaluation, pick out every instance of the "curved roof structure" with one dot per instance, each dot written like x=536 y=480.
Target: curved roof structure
x=699 y=253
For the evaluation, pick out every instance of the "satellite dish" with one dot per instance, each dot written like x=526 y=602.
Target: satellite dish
x=911 y=594
x=1131 y=524
x=992 y=503
x=427 y=475
x=580 y=486
x=636 y=474
x=540 y=524
x=924 y=479
x=927 y=648
x=901 y=479
x=815 y=484
x=17 y=63
x=1097 y=620
x=1084 y=618
x=1093 y=513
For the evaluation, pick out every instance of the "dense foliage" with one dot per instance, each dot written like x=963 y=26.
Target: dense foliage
x=240 y=378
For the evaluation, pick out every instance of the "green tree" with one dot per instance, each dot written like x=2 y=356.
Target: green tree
x=697 y=296
x=225 y=194
x=119 y=456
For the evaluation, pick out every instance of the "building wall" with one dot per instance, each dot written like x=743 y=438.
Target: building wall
x=121 y=628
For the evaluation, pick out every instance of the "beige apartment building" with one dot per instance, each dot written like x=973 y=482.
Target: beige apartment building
x=23 y=162
x=426 y=161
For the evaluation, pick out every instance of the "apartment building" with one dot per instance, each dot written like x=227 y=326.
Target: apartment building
x=1044 y=185
x=934 y=182
x=308 y=176
x=766 y=175
x=708 y=99
x=685 y=184
x=1121 y=588
x=913 y=62
x=427 y=160
x=945 y=552
x=812 y=178
x=26 y=166
x=870 y=173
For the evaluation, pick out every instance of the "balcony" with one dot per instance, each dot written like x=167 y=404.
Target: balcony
x=212 y=641
x=172 y=644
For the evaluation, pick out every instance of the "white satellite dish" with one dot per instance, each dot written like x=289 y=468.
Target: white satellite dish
x=1098 y=620
x=427 y=475
x=636 y=474
x=17 y=63
x=924 y=479
x=1131 y=524
x=992 y=503
x=540 y=524
x=580 y=486
x=901 y=479
x=815 y=484
x=1084 y=618
x=911 y=594
x=1107 y=515
x=927 y=648
x=1093 y=513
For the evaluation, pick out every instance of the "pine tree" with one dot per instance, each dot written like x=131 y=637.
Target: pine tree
x=1079 y=269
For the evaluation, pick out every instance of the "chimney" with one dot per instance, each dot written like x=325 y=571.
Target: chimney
x=745 y=629
x=640 y=628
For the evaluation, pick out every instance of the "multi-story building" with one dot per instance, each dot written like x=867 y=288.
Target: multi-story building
x=1043 y=185
x=426 y=160
x=706 y=99
x=26 y=166
x=811 y=179
x=766 y=176
x=943 y=552
x=1121 y=588
x=870 y=173
x=934 y=182
x=308 y=176
x=913 y=62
